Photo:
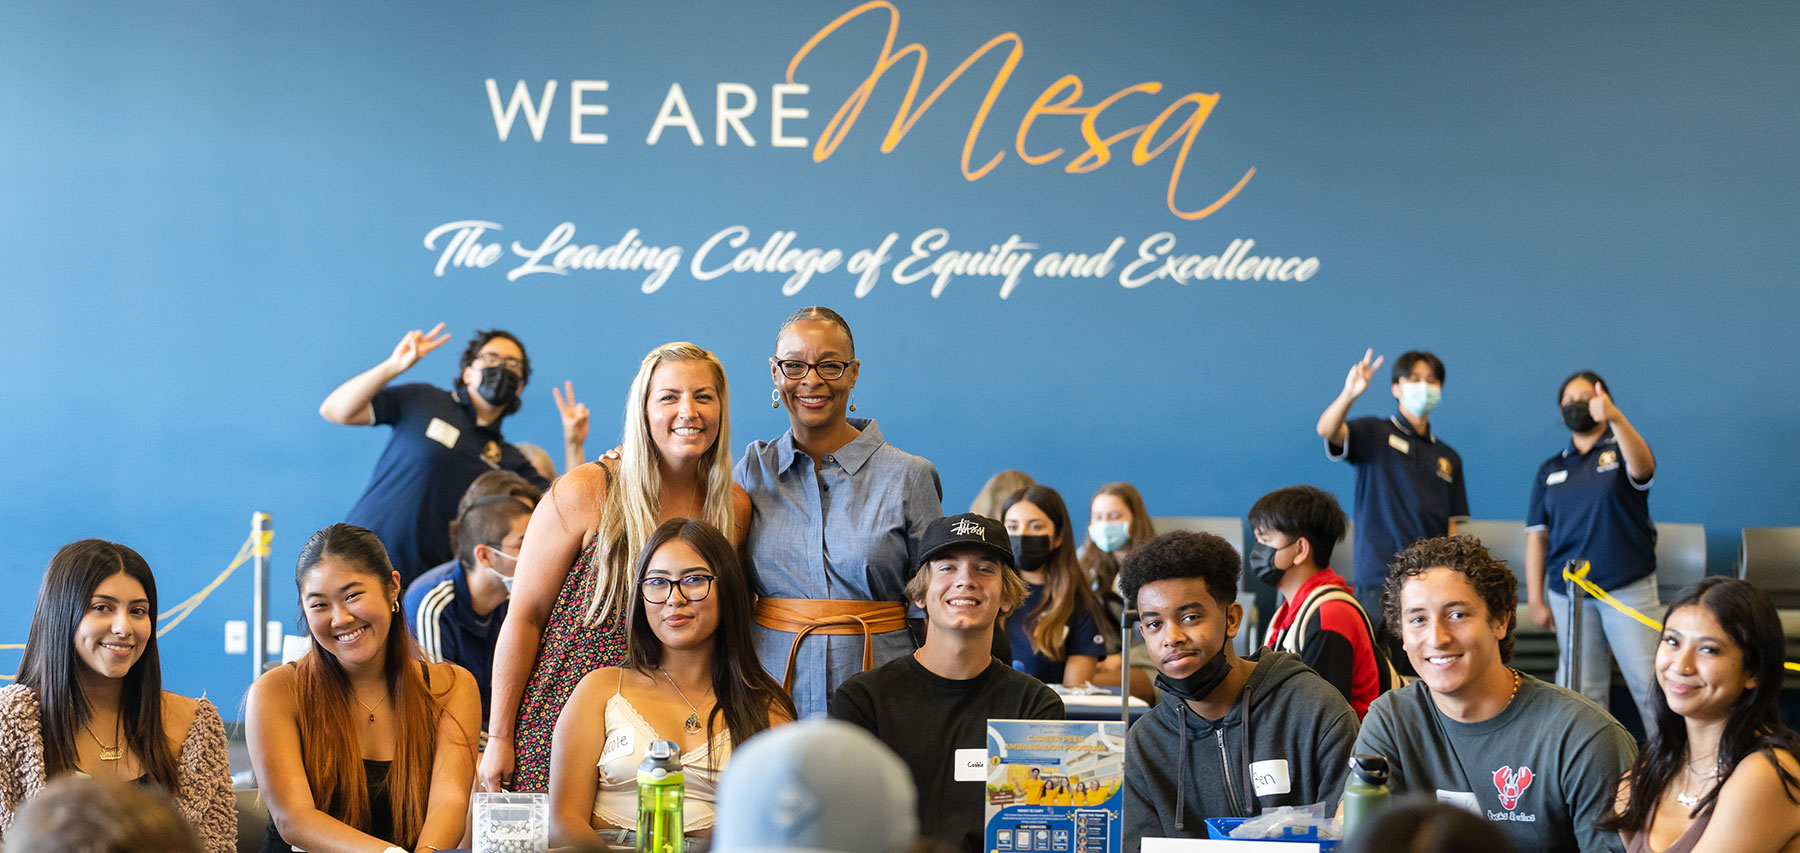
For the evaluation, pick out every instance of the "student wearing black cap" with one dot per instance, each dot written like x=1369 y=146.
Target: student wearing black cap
x=932 y=706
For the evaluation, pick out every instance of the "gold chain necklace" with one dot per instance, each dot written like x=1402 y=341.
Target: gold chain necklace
x=107 y=753
x=691 y=725
x=365 y=705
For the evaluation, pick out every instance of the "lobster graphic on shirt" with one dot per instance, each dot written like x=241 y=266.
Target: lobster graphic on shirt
x=1512 y=785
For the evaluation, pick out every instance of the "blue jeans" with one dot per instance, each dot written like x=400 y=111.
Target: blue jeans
x=1606 y=633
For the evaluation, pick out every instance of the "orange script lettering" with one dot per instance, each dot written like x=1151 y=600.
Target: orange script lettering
x=1062 y=98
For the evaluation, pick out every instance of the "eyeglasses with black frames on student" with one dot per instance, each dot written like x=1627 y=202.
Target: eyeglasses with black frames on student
x=693 y=588
x=494 y=359
x=828 y=370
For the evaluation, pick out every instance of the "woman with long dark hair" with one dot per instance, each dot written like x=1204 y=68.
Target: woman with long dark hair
x=566 y=618
x=691 y=677
x=89 y=697
x=1720 y=772
x=361 y=744
x=1057 y=636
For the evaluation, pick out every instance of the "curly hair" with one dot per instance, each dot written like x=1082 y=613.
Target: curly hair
x=1492 y=580
x=1183 y=554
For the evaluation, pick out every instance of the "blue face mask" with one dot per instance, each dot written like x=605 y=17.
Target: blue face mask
x=1419 y=398
x=504 y=579
x=1109 y=536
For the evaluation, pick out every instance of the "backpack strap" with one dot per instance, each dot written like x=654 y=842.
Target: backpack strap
x=1387 y=677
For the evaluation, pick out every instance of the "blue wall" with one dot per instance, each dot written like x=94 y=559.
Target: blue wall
x=214 y=214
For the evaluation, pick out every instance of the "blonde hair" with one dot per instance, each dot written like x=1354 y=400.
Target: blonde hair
x=991 y=500
x=634 y=498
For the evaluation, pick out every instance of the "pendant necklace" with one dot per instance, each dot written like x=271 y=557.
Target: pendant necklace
x=692 y=724
x=1683 y=797
x=107 y=753
x=365 y=705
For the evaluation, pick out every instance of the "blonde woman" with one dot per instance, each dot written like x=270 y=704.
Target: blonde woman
x=572 y=591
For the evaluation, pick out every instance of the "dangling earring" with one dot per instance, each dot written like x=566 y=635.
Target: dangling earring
x=396 y=607
x=774 y=398
x=853 y=400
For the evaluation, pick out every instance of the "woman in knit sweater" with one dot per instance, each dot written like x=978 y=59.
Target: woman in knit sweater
x=89 y=697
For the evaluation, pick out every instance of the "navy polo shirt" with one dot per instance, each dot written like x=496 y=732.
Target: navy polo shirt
x=435 y=452
x=1083 y=638
x=1408 y=487
x=443 y=619
x=1592 y=510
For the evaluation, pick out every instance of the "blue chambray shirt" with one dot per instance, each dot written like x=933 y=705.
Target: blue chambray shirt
x=848 y=531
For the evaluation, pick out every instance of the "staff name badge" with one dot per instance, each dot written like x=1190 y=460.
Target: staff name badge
x=1270 y=777
x=1556 y=477
x=1399 y=444
x=440 y=431
x=971 y=765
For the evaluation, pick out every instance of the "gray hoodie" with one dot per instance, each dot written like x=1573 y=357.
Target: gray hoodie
x=1285 y=742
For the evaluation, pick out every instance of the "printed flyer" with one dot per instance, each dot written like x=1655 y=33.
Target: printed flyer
x=1053 y=785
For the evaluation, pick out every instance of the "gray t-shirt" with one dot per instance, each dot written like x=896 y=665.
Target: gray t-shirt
x=1543 y=771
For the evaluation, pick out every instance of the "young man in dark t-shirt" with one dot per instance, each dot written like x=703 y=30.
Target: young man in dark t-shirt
x=932 y=707
x=1539 y=761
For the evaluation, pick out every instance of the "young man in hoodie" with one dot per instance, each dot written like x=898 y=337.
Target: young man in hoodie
x=1231 y=736
x=1541 y=762
x=932 y=707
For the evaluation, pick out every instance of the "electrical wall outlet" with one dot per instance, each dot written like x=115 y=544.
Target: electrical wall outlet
x=272 y=635
x=237 y=637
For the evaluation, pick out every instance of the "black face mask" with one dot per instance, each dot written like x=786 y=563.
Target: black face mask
x=499 y=386
x=1577 y=417
x=1203 y=682
x=1032 y=552
x=1262 y=562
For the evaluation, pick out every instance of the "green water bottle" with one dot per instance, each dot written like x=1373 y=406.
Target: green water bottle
x=1366 y=791
x=659 y=782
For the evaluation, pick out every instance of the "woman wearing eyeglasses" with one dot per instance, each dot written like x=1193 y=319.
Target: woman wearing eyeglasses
x=572 y=587
x=690 y=678
x=839 y=512
x=442 y=440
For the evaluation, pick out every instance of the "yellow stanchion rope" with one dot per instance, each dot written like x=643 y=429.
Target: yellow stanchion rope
x=1579 y=578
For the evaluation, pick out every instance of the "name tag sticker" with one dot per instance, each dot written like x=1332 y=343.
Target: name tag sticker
x=617 y=746
x=1462 y=799
x=1399 y=444
x=971 y=765
x=1270 y=777
x=442 y=432
x=1556 y=477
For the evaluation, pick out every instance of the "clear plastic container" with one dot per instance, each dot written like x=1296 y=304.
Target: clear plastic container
x=511 y=823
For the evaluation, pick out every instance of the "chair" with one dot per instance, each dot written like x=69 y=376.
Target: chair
x=1229 y=529
x=1770 y=559
x=252 y=819
x=1505 y=540
x=1680 y=559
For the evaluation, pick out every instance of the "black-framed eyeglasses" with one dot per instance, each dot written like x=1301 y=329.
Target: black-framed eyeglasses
x=494 y=359
x=828 y=370
x=693 y=588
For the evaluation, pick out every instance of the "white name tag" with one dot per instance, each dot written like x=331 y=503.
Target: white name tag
x=971 y=765
x=617 y=746
x=1399 y=444
x=442 y=432
x=1556 y=477
x=1270 y=777
x=1462 y=799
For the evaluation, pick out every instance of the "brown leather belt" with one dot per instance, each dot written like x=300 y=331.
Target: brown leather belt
x=804 y=616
